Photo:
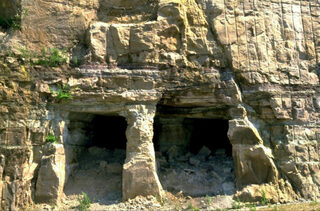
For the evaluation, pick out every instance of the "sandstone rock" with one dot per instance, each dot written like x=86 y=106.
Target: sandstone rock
x=220 y=152
x=234 y=60
x=243 y=132
x=103 y=164
x=228 y=188
x=254 y=165
x=273 y=193
x=194 y=161
x=204 y=152
x=173 y=152
x=114 y=168
x=139 y=175
x=98 y=152
x=51 y=177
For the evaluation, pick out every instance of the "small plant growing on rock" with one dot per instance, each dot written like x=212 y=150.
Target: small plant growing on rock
x=84 y=202
x=62 y=93
x=275 y=208
x=13 y=22
x=49 y=57
x=208 y=199
x=237 y=204
x=52 y=57
x=50 y=138
x=264 y=200
x=251 y=206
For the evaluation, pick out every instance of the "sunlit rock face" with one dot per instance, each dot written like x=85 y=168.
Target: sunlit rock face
x=161 y=65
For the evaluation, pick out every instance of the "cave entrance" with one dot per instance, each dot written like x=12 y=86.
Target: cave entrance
x=95 y=153
x=194 y=156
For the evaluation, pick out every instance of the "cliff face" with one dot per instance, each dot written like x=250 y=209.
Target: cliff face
x=254 y=63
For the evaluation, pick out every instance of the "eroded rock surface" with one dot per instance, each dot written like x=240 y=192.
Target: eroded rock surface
x=254 y=63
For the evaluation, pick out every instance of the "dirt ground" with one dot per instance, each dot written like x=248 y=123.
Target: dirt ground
x=174 y=202
x=98 y=173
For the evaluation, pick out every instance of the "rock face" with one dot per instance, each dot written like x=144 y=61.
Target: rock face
x=253 y=63
x=51 y=176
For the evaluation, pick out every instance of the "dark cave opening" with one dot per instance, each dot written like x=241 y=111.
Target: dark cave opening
x=108 y=132
x=211 y=133
x=96 y=152
x=194 y=155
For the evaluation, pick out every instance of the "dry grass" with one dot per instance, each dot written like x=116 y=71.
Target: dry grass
x=310 y=206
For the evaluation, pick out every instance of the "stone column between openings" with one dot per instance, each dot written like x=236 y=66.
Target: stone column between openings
x=139 y=175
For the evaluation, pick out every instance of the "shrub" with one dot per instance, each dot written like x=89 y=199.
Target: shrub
x=208 y=199
x=50 y=57
x=63 y=93
x=264 y=200
x=50 y=138
x=84 y=202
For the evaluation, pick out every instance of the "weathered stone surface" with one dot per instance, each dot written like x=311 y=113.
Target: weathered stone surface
x=254 y=164
x=273 y=193
x=243 y=132
x=51 y=177
x=139 y=175
x=236 y=60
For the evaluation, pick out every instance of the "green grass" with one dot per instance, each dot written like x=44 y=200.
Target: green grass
x=50 y=138
x=49 y=57
x=237 y=204
x=63 y=93
x=264 y=200
x=208 y=199
x=84 y=202
x=311 y=206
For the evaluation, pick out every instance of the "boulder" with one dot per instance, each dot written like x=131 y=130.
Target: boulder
x=254 y=165
x=271 y=192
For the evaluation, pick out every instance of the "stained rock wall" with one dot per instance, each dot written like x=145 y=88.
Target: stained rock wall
x=255 y=63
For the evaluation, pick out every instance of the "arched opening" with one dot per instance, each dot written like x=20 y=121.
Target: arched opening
x=194 y=156
x=95 y=155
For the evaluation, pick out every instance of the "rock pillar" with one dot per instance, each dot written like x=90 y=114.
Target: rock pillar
x=253 y=161
x=51 y=177
x=139 y=171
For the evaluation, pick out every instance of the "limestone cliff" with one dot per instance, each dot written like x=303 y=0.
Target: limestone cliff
x=254 y=63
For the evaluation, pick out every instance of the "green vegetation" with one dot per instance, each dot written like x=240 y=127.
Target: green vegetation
x=50 y=138
x=63 y=93
x=275 y=208
x=13 y=22
x=251 y=206
x=237 y=204
x=50 y=57
x=311 y=206
x=264 y=200
x=195 y=209
x=84 y=202
x=314 y=203
x=208 y=199
x=190 y=207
